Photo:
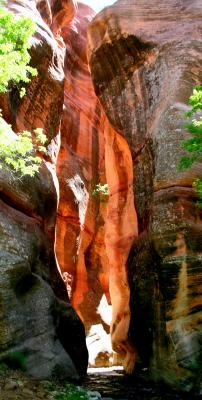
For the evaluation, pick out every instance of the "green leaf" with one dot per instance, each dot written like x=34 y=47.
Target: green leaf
x=194 y=143
x=22 y=92
x=18 y=151
x=15 y=34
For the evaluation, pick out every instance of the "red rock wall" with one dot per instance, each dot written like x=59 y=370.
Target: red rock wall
x=120 y=231
x=124 y=129
x=80 y=220
x=35 y=314
x=94 y=238
x=145 y=57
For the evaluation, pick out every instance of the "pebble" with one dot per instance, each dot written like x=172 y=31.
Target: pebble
x=11 y=385
x=94 y=398
x=28 y=392
x=20 y=384
x=94 y=395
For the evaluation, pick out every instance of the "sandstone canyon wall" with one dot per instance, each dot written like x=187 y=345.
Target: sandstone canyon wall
x=93 y=237
x=80 y=217
x=36 y=319
x=124 y=129
x=145 y=57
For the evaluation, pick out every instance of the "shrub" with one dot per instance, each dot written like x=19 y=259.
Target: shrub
x=17 y=152
x=16 y=360
x=15 y=34
x=101 y=191
x=193 y=145
x=68 y=391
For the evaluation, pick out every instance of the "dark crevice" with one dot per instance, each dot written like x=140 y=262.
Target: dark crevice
x=121 y=58
x=16 y=206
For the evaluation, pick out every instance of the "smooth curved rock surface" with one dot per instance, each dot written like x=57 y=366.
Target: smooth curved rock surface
x=94 y=235
x=80 y=246
x=120 y=231
x=145 y=58
x=35 y=317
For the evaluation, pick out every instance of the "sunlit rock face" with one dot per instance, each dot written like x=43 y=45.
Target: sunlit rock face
x=94 y=237
x=145 y=57
x=80 y=231
x=36 y=319
x=120 y=230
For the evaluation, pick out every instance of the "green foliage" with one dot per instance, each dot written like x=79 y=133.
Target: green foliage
x=195 y=100
x=16 y=360
x=22 y=92
x=198 y=185
x=71 y=392
x=193 y=145
x=67 y=392
x=101 y=191
x=17 y=152
x=15 y=36
x=3 y=368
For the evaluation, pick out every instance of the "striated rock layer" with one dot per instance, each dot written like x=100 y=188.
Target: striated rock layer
x=94 y=234
x=120 y=230
x=80 y=219
x=36 y=320
x=145 y=57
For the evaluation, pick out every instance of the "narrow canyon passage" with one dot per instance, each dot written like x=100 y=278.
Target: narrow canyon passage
x=94 y=234
x=121 y=228
x=112 y=384
x=104 y=244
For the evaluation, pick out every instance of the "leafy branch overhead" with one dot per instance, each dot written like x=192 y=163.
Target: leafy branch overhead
x=193 y=145
x=15 y=34
x=17 y=152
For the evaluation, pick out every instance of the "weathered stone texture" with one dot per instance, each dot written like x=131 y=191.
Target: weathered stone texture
x=120 y=230
x=145 y=58
x=93 y=237
x=80 y=231
x=35 y=317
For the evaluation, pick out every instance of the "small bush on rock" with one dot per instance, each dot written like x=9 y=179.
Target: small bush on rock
x=101 y=191
x=193 y=145
x=17 y=152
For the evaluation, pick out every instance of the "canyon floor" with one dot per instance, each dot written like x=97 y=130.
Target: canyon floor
x=14 y=385
x=105 y=384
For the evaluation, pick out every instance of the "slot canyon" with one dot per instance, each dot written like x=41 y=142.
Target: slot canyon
x=105 y=279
